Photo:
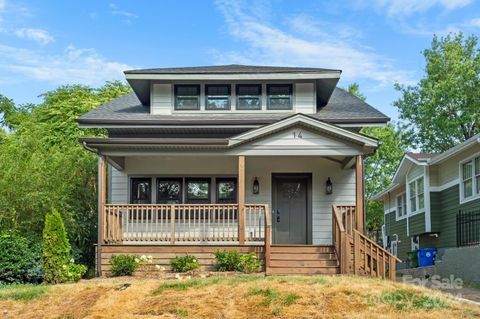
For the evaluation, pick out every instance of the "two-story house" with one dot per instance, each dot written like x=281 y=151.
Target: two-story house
x=255 y=158
x=434 y=200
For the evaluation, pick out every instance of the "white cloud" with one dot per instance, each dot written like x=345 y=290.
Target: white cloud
x=72 y=66
x=408 y=7
x=272 y=46
x=37 y=35
x=474 y=23
x=127 y=16
x=2 y=4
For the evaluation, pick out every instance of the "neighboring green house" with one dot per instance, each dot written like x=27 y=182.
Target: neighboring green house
x=427 y=195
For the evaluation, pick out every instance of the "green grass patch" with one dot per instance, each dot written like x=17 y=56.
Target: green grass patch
x=407 y=300
x=269 y=294
x=204 y=282
x=22 y=292
x=290 y=299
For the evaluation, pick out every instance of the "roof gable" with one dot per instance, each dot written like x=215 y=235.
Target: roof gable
x=302 y=120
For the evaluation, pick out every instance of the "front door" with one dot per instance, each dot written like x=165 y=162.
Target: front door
x=290 y=198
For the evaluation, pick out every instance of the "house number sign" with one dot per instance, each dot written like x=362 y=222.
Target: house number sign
x=297 y=134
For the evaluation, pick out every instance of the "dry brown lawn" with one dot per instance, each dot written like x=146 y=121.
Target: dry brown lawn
x=239 y=297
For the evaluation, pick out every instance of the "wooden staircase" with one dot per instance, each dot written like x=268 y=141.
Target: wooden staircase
x=302 y=260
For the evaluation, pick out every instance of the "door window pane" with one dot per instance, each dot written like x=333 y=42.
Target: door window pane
x=141 y=190
x=226 y=190
x=249 y=97
x=217 y=97
x=187 y=97
x=279 y=96
x=198 y=190
x=169 y=190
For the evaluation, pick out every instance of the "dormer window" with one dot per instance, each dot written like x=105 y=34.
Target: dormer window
x=217 y=96
x=249 y=96
x=279 y=96
x=187 y=97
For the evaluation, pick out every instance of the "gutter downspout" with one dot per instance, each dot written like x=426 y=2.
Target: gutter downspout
x=99 y=204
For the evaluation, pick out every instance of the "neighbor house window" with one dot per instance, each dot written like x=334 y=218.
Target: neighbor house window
x=217 y=97
x=141 y=191
x=416 y=195
x=470 y=175
x=169 y=190
x=187 y=97
x=226 y=190
x=249 y=96
x=198 y=190
x=279 y=96
x=401 y=205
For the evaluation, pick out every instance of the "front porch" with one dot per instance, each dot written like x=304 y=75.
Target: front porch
x=271 y=190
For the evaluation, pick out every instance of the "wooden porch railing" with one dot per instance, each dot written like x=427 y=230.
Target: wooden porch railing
x=183 y=223
x=357 y=253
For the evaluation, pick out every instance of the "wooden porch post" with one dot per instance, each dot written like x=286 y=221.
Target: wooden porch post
x=241 y=199
x=102 y=199
x=359 y=178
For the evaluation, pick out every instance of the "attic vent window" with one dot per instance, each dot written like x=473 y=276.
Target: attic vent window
x=217 y=97
x=249 y=97
x=187 y=97
x=279 y=96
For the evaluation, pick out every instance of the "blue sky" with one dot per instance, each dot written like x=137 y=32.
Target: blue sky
x=376 y=43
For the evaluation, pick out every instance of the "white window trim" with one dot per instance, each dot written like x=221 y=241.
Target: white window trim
x=474 y=180
x=418 y=211
x=405 y=212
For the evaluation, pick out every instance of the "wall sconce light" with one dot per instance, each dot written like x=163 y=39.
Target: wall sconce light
x=328 y=187
x=256 y=186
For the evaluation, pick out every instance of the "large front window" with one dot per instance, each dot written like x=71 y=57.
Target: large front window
x=187 y=97
x=141 y=190
x=226 y=190
x=416 y=194
x=169 y=190
x=279 y=96
x=249 y=97
x=217 y=97
x=470 y=178
x=198 y=190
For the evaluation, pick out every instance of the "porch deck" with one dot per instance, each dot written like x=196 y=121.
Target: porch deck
x=167 y=231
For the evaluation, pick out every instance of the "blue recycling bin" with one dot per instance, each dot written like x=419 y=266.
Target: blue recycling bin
x=426 y=256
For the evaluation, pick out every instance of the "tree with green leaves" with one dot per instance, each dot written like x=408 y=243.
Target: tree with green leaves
x=381 y=166
x=43 y=166
x=443 y=108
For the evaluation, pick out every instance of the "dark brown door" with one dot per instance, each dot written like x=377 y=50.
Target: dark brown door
x=290 y=209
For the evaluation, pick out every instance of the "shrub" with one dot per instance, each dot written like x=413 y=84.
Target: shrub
x=56 y=263
x=228 y=260
x=74 y=272
x=19 y=259
x=123 y=265
x=184 y=264
x=233 y=260
x=249 y=263
x=56 y=249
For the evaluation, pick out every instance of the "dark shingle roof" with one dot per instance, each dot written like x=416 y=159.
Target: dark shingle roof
x=342 y=108
x=230 y=69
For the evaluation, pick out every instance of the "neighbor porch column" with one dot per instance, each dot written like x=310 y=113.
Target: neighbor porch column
x=102 y=199
x=241 y=199
x=359 y=189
